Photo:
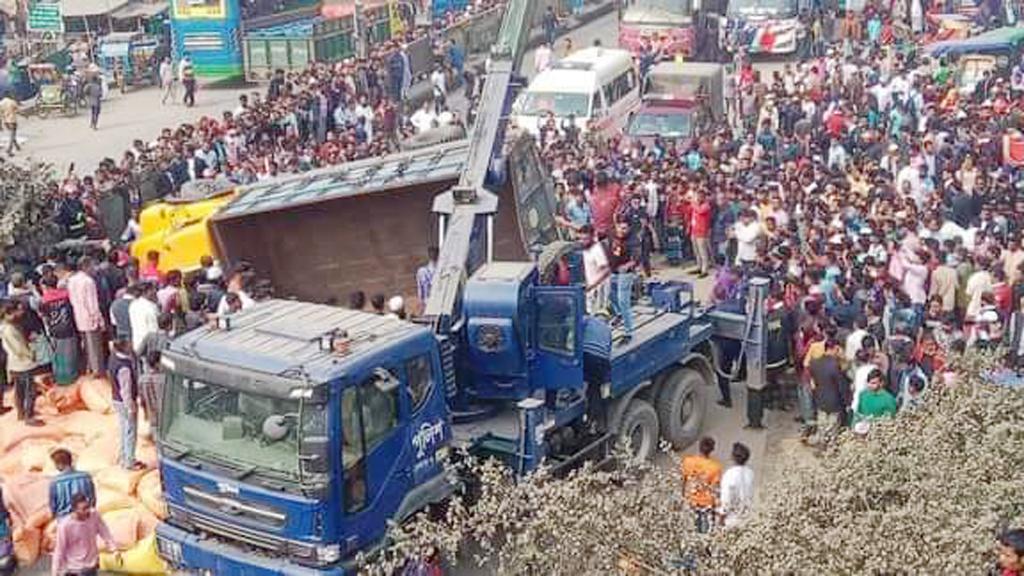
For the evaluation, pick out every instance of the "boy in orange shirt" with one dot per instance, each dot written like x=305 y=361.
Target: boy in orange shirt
x=702 y=478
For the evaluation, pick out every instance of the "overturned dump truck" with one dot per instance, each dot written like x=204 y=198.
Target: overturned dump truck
x=366 y=225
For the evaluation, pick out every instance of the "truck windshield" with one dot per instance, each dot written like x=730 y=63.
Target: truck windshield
x=767 y=8
x=677 y=85
x=561 y=104
x=245 y=431
x=667 y=124
x=665 y=12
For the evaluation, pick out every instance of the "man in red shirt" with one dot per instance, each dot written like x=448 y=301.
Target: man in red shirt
x=700 y=232
x=835 y=124
x=604 y=204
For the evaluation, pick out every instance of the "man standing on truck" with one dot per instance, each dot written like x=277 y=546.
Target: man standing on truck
x=702 y=478
x=623 y=265
x=595 y=271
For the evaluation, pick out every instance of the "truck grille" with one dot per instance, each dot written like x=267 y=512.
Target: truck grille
x=275 y=546
x=236 y=508
x=231 y=532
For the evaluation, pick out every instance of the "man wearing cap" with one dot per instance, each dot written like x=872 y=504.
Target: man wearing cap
x=396 y=308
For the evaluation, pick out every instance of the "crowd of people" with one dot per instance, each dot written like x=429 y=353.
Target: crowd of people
x=326 y=114
x=864 y=183
x=860 y=180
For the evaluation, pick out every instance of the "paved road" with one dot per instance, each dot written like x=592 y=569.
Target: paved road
x=124 y=118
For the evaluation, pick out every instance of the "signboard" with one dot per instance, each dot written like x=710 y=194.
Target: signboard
x=45 y=17
x=199 y=9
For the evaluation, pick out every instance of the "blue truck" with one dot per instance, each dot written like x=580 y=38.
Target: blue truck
x=293 y=433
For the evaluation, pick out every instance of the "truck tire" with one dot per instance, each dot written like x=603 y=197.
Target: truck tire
x=681 y=403
x=639 y=429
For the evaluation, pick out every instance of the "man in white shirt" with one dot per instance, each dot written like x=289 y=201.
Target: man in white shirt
x=541 y=58
x=143 y=315
x=423 y=119
x=439 y=84
x=855 y=340
x=748 y=231
x=737 y=488
x=595 y=270
x=364 y=113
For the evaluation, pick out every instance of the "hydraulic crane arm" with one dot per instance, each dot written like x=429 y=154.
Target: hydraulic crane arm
x=467 y=210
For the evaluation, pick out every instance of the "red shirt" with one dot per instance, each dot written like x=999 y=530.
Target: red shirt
x=678 y=209
x=604 y=203
x=835 y=124
x=700 y=220
x=1003 y=294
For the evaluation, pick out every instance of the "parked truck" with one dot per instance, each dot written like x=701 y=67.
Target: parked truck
x=294 y=433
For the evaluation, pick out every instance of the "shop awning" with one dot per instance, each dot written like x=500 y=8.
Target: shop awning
x=81 y=8
x=139 y=9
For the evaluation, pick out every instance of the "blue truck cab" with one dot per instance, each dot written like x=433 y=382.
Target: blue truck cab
x=293 y=433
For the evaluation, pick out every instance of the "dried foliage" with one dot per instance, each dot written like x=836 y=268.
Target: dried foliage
x=591 y=522
x=925 y=493
x=26 y=210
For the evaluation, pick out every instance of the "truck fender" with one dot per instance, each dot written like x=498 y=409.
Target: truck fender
x=699 y=362
x=618 y=405
x=433 y=491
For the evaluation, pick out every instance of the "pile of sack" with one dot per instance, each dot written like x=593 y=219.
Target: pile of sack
x=80 y=418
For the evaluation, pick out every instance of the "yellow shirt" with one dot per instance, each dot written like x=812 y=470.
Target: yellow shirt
x=8 y=111
x=815 y=350
x=701 y=480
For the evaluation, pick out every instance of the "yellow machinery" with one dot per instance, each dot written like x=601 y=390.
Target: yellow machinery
x=177 y=229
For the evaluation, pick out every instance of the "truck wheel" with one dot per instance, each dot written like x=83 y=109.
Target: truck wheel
x=639 y=429
x=681 y=403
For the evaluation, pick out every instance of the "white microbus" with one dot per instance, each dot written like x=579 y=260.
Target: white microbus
x=598 y=84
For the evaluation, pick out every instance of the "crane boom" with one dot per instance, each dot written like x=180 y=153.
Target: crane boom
x=467 y=210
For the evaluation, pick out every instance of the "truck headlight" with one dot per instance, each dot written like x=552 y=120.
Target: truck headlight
x=170 y=551
x=328 y=554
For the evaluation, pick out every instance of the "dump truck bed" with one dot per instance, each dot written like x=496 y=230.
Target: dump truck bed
x=363 y=225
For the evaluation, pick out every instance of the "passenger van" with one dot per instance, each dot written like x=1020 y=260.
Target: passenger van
x=598 y=84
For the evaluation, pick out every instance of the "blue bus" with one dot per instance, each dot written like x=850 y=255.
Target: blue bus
x=209 y=31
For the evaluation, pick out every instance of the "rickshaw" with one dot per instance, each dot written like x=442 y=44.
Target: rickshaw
x=53 y=93
x=128 y=58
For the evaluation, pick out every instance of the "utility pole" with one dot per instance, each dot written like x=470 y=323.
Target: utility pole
x=357 y=29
